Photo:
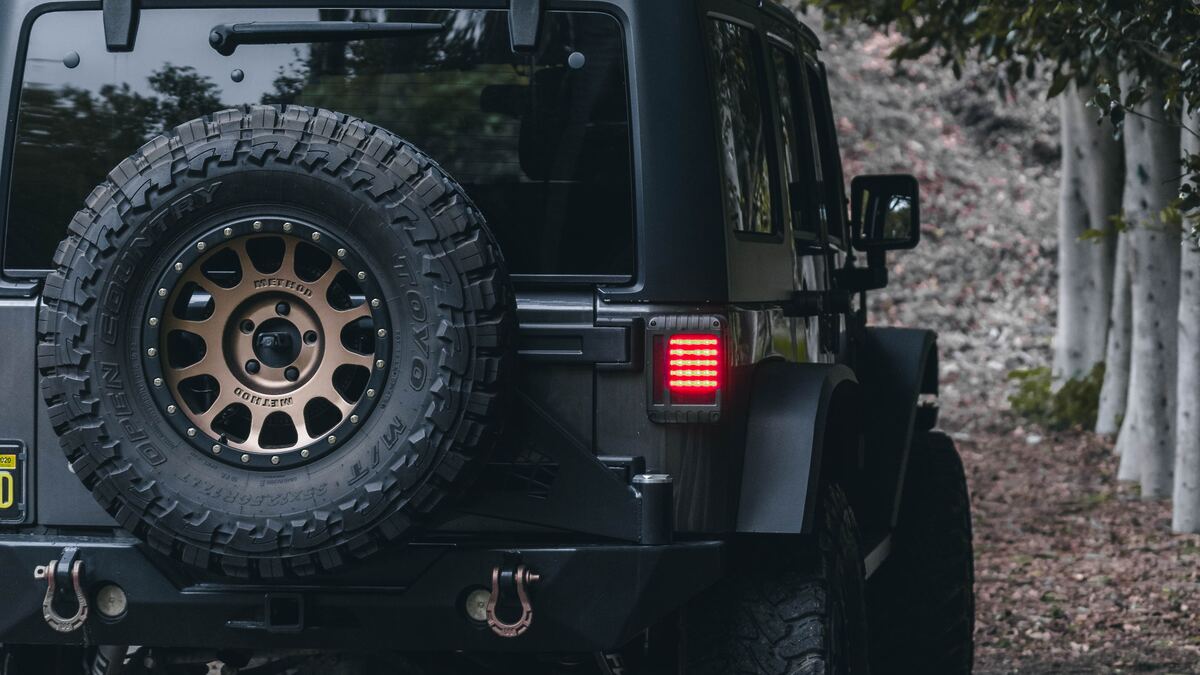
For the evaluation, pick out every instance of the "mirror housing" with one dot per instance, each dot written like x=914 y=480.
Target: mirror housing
x=885 y=212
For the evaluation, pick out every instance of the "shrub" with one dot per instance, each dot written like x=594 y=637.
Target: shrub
x=1074 y=404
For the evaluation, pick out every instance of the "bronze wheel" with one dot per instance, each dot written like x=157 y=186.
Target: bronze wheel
x=263 y=345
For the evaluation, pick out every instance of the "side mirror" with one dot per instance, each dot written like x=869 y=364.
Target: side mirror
x=885 y=212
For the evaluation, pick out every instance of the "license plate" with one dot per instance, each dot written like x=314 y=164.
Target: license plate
x=12 y=484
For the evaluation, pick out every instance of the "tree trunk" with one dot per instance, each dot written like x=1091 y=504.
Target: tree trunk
x=1115 y=390
x=1090 y=195
x=1151 y=184
x=1185 y=515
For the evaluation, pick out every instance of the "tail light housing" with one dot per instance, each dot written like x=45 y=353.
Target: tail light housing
x=687 y=368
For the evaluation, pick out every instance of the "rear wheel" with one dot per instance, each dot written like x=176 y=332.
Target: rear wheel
x=922 y=600
x=788 y=606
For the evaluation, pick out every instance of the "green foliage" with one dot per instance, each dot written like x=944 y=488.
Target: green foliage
x=1074 y=404
x=1085 y=42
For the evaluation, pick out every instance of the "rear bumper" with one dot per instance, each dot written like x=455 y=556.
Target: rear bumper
x=590 y=597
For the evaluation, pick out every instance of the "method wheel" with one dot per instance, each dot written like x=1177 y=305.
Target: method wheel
x=275 y=339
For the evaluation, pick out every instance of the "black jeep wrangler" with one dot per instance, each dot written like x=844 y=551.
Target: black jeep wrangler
x=509 y=336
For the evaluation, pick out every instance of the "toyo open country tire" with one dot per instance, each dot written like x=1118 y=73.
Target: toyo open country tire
x=419 y=392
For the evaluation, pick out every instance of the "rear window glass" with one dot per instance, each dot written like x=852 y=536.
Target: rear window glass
x=541 y=143
x=742 y=125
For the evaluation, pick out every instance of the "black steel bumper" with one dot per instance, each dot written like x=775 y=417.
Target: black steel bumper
x=589 y=597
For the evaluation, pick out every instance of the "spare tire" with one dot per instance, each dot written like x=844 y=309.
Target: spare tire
x=276 y=339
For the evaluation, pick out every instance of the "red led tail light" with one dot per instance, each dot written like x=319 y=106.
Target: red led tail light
x=693 y=364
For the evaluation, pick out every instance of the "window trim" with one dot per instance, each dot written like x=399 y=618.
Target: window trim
x=778 y=234
x=802 y=236
x=27 y=280
x=839 y=238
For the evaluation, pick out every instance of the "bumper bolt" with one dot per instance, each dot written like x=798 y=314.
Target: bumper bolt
x=111 y=601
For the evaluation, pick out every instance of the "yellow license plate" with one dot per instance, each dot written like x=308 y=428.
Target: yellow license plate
x=8 y=462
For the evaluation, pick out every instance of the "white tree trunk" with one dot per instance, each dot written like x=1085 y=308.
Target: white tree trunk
x=1114 y=392
x=1151 y=183
x=1185 y=515
x=1090 y=195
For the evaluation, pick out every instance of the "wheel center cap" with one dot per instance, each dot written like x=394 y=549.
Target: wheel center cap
x=277 y=342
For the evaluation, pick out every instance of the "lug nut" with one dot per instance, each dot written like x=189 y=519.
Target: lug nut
x=252 y=366
x=292 y=373
x=247 y=325
x=310 y=336
x=282 y=309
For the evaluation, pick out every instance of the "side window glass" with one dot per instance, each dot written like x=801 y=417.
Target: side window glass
x=747 y=181
x=830 y=160
x=801 y=168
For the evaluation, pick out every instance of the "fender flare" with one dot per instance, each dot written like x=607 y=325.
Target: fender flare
x=897 y=366
x=791 y=407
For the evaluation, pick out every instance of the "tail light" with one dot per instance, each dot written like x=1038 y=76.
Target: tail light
x=687 y=368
